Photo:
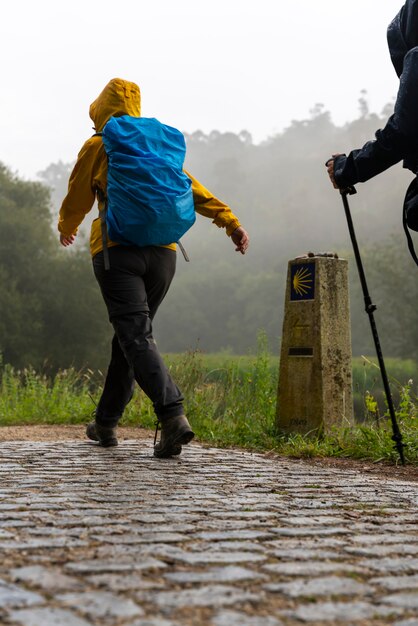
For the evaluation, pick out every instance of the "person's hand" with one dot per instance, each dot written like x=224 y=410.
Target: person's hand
x=241 y=239
x=66 y=241
x=330 y=169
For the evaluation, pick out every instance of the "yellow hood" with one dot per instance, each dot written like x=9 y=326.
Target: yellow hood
x=119 y=97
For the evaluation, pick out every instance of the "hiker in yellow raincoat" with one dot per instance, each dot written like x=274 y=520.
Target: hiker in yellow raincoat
x=134 y=286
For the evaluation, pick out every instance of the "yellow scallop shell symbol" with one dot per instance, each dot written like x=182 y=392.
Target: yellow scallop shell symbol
x=302 y=281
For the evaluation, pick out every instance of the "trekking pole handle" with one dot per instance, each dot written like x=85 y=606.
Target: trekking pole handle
x=348 y=191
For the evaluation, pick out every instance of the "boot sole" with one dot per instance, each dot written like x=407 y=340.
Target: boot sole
x=105 y=443
x=108 y=443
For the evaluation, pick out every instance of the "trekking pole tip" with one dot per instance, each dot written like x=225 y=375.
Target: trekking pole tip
x=400 y=446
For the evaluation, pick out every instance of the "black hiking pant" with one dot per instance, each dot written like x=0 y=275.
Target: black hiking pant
x=133 y=288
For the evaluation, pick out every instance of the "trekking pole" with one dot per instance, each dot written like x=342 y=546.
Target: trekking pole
x=370 y=309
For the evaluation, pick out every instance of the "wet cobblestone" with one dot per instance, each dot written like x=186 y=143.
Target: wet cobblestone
x=114 y=537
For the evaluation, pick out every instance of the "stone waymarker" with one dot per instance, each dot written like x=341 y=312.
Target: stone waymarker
x=315 y=377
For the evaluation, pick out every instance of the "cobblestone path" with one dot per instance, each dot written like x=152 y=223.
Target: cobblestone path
x=212 y=538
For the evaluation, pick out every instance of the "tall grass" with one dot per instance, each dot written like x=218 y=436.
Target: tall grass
x=234 y=404
x=231 y=401
x=27 y=397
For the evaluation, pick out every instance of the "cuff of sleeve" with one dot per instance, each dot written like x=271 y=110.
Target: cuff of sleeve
x=232 y=226
x=66 y=233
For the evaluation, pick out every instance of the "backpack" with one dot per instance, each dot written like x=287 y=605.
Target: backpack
x=149 y=198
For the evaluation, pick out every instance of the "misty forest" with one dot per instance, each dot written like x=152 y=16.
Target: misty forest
x=52 y=314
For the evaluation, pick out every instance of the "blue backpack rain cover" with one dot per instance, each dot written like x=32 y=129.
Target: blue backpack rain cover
x=149 y=197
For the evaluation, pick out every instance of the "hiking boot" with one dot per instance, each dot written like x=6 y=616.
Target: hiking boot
x=175 y=432
x=105 y=435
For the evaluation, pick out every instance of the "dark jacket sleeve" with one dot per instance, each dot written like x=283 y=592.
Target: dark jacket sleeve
x=396 y=141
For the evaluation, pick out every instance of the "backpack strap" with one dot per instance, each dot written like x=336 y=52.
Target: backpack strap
x=183 y=251
x=409 y=238
x=405 y=222
x=103 y=227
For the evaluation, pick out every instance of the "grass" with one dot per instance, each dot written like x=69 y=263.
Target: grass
x=231 y=401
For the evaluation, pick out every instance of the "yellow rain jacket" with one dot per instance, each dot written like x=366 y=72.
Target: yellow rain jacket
x=89 y=175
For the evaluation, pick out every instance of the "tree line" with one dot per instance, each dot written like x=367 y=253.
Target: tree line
x=51 y=313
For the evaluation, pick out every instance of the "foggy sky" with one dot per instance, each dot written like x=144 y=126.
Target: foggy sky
x=218 y=64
